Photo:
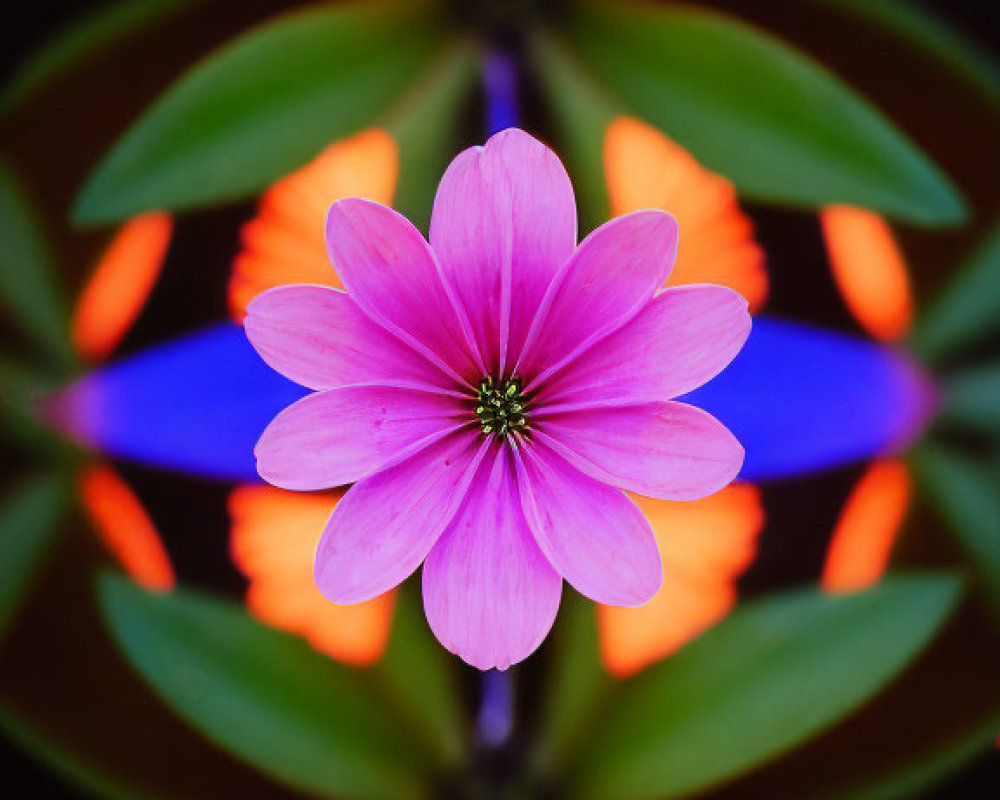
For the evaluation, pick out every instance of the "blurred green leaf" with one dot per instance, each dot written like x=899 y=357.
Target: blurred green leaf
x=582 y=111
x=922 y=29
x=20 y=390
x=772 y=675
x=29 y=519
x=967 y=495
x=424 y=123
x=263 y=105
x=973 y=399
x=926 y=769
x=968 y=310
x=265 y=696
x=28 y=286
x=754 y=109
x=577 y=684
x=104 y=26
x=16 y=387
x=432 y=703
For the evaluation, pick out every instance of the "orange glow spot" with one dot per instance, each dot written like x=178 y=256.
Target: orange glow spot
x=645 y=169
x=869 y=270
x=705 y=545
x=285 y=242
x=274 y=538
x=116 y=292
x=125 y=527
x=867 y=528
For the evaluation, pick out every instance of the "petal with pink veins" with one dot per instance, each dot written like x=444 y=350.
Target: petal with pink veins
x=342 y=435
x=489 y=594
x=392 y=274
x=666 y=450
x=386 y=525
x=504 y=222
x=318 y=337
x=592 y=533
x=609 y=279
x=683 y=338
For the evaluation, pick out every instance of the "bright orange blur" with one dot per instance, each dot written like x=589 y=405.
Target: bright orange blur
x=125 y=527
x=869 y=270
x=867 y=528
x=274 y=538
x=285 y=242
x=645 y=169
x=705 y=545
x=117 y=290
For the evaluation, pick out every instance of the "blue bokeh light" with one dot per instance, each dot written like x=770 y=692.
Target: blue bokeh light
x=799 y=398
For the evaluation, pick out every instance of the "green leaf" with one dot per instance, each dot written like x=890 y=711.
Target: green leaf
x=772 y=675
x=927 y=33
x=20 y=388
x=751 y=107
x=418 y=676
x=581 y=112
x=926 y=769
x=966 y=311
x=29 y=519
x=424 y=123
x=106 y=25
x=967 y=495
x=973 y=399
x=578 y=685
x=263 y=695
x=263 y=105
x=28 y=286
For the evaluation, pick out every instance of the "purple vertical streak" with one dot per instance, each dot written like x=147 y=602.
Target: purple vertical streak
x=496 y=709
x=500 y=87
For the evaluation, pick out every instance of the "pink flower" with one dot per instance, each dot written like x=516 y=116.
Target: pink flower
x=491 y=394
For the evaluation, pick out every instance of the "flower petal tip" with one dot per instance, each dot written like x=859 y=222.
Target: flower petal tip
x=490 y=653
x=645 y=588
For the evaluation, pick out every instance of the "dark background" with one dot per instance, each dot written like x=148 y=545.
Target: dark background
x=210 y=237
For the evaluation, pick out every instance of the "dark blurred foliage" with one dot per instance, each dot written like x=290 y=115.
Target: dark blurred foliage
x=192 y=292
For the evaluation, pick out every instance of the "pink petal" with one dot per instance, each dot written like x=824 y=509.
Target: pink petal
x=392 y=274
x=341 y=435
x=666 y=450
x=386 y=525
x=318 y=337
x=504 y=221
x=609 y=279
x=681 y=339
x=593 y=535
x=489 y=594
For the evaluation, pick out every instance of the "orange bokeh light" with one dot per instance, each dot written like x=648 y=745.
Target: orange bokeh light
x=705 y=545
x=125 y=527
x=119 y=286
x=869 y=270
x=645 y=169
x=274 y=538
x=284 y=243
x=867 y=528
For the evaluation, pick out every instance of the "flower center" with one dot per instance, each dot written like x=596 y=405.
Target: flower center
x=501 y=407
